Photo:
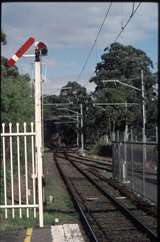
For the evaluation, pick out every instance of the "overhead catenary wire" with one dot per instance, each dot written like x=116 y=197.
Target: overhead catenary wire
x=129 y=19
x=133 y=7
x=93 y=45
x=123 y=27
x=121 y=15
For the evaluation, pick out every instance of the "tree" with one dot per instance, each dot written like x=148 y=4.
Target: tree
x=16 y=106
x=16 y=100
x=125 y=64
x=3 y=38
x=74 y=92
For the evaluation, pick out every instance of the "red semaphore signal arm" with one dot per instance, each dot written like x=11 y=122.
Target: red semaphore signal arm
x=21 y=51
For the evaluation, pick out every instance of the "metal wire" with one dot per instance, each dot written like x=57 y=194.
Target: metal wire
x=93 y=45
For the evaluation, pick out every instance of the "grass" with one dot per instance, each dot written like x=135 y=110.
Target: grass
x=61 y=208
x=61 y=202
x=24 y=222
x=11 y=224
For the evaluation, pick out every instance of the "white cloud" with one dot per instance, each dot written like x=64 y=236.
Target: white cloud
x=53 y=86
x=73 y=25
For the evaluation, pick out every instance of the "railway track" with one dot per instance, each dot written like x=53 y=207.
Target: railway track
x=106 y=214
x=106 y=165
x=91 y=163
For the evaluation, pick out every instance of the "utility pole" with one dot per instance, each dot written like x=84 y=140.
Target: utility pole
x=77 y=129
x=126 y=124
x=143 y=131
x=156 y=134
x=143 y=108
x=82 y=137
x=38 y=131
x=124 y=165
x=113 y=132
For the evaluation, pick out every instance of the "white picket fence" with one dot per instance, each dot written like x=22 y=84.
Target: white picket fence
x=18 y=170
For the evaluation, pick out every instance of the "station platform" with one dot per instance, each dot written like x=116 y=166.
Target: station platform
x=55 y=233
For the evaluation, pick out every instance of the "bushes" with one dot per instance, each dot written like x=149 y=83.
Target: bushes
x=103 y=150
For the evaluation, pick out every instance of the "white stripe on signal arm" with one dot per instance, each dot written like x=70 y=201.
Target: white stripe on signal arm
x=36 y=43
x=15 y=58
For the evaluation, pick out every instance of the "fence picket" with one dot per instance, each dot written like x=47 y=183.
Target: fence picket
x=11 y=164
x=19 y=171
x=26 y=165
x=33 y=170
x=19 y=153
x=4 y=171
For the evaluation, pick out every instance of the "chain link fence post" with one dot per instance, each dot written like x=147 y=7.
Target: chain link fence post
x=132 y=161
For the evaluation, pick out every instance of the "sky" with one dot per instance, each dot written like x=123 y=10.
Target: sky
x=69 y=30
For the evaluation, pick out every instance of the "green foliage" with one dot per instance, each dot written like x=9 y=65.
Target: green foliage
x=3 y=38
x=125 y=64
x=74 y=92
x=118 y=62
x=102 y=150
x=16 y=100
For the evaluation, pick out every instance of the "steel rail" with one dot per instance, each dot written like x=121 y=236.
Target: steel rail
x=102 y=163
x=102 y=167
x=139 y=173
x=141 y=226
x=83 y=217
x=105 y=166
x=105 y=179
x=98 y=165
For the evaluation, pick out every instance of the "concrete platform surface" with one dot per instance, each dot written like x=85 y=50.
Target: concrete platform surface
x=12 y=236
x=55 y=233
x=66 y=233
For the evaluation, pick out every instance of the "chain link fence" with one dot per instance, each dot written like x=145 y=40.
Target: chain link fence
x=135 y=164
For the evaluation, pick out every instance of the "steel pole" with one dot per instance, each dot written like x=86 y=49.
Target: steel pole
x=42 y=116
x=117 y=138
x=143 y=131
x=126 y=124
x=132 y=161
x=156 y=134
x=143 y=108
x=38 y=131
x=77 y=130
x=124 y=165
x=82 y=137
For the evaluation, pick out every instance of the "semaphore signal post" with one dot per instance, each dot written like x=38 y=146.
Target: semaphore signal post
x=40 y=50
